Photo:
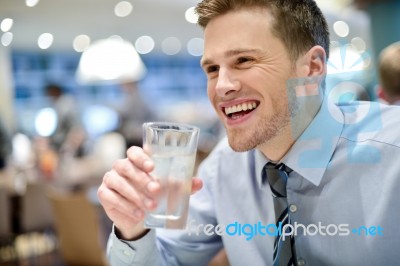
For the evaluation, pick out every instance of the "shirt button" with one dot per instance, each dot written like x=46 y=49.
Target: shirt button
x=127 y=253
x=293 y=208
x=301 y=262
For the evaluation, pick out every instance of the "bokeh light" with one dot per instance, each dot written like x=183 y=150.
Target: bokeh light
x=6 y=24
x=6 y=38
x=195 y=46
x=191 y=16
x=171 y=46
x=45 y=40
x=123 y=9
x=81 y=43
x=144 y=44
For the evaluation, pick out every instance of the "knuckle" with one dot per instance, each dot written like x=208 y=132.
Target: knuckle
x=106 y=176
x=117 y=164
x=133 y=152
x=100 y=192
x=122 y=166
x=107 y=179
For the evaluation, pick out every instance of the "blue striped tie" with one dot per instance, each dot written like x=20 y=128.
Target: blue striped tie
x=277 y=175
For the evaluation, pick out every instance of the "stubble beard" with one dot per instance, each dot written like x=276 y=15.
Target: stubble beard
x=268 y=128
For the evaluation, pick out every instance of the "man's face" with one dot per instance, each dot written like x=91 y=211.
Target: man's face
x=247 y=69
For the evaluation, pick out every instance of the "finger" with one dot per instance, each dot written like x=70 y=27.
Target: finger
x=142 y=181
x=113 y=202
x=140 y=159
x=125 y=189
x=197 y=184
x=143 y=197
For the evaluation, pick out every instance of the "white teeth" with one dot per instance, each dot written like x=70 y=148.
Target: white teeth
x=240 y=107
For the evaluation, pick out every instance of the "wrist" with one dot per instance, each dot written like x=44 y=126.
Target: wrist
x=131 y=236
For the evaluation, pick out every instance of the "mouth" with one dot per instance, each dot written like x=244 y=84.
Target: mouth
x=240 y=110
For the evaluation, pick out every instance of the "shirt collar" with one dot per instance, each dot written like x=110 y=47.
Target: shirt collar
x=260 y=161
x=311 y=153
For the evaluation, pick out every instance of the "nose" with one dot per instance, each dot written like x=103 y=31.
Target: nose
x=226 y=83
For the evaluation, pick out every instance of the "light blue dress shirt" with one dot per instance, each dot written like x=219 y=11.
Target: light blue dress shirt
x=343 y=193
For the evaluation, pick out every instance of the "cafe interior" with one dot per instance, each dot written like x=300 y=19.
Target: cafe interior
x=79 y=77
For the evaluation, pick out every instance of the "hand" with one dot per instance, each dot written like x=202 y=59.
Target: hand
x=128 y=190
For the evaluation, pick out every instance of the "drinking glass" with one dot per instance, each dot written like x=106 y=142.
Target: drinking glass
x=173 y=148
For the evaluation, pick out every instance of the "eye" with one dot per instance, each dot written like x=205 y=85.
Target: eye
x=242 y=60
x=211 y=69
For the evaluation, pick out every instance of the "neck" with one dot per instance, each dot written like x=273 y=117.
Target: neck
x=276 y=148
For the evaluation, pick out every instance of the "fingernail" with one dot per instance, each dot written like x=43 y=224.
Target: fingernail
x=152 y=186
x=147 y=164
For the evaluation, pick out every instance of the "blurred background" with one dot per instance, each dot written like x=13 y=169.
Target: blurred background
x=79 y=77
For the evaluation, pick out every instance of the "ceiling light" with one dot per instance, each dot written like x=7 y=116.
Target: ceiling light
x=6 y=38
x=195 y=46
x=341 y=28
x=144 y=44
x=31 y=3
x=45 y=40
x=171 y=46
x=359 y=44
x=123 y=9
x=111 y=60
x=6 y=24
x=191 y=16
x=81 y=43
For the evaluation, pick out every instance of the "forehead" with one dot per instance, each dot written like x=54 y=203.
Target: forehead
x=239 y=29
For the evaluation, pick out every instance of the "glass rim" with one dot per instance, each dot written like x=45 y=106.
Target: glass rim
x=180 y=126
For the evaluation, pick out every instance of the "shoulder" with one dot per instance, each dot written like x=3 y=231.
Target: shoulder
x=371 y=121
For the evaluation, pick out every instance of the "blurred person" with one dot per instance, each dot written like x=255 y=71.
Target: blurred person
x=133 y=113
x=389 y=74
x=5 y=145
x=47 y=159
x=291 y=159
x=69 y=135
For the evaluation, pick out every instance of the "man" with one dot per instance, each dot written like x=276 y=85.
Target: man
x=265 y=61
x=389 y=74
x=69 y=135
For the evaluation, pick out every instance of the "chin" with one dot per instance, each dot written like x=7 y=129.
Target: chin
x=239 y=144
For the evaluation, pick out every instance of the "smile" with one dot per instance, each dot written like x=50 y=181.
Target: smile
x=239 y=110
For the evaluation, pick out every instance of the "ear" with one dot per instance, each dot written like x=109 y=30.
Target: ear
x=313 y=63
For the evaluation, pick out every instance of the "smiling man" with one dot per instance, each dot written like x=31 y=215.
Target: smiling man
x=249 y=67
x=297 y=181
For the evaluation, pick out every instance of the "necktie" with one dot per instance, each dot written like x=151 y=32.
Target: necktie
x=277 y=176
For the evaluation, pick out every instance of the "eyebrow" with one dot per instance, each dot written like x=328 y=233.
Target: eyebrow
x=230 y=53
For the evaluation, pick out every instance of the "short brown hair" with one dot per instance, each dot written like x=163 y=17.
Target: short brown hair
x=300 y=24
x=389 y=69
